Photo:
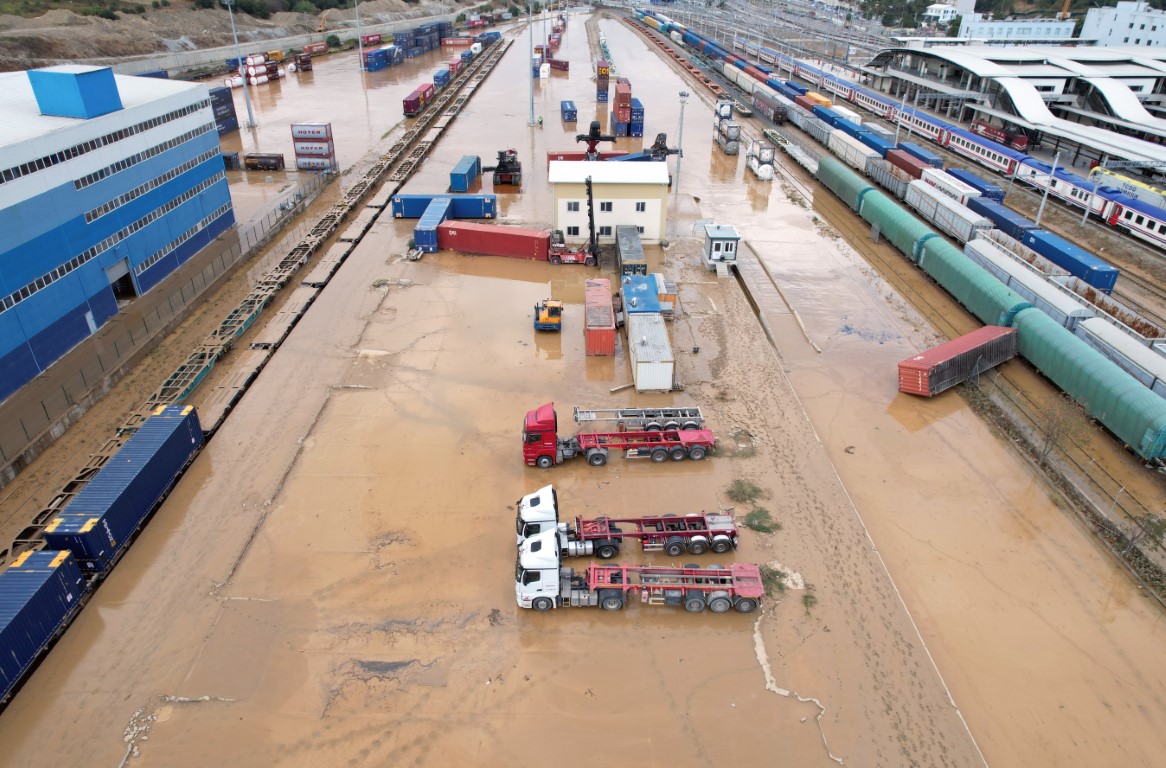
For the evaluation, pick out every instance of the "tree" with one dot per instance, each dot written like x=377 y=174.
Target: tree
x=1060 y=422
x=1151 y=528
x=333 y=41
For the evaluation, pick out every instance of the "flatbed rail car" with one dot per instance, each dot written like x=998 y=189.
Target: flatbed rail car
x=542 y=583
x=648 y=419
x=542 y=446
x=694 y=533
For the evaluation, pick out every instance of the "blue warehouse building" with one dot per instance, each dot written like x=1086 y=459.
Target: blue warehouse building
x=107 y=185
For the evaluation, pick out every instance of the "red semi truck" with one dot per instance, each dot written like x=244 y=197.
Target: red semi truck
x=673 y=535
x=542 y=583
x=542 y=447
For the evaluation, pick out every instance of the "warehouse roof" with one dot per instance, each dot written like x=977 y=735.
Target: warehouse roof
x=577 y=171
x=20 y=117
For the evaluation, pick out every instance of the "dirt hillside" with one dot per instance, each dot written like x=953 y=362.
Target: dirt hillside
x=61 y=35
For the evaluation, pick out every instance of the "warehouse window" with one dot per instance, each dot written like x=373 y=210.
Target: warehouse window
x=573 y=207
x=572 y=231
x=640 y=230
x=605 y=231
x=641 y=207
x=605 y=207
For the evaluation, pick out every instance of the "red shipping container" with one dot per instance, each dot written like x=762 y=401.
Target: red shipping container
x=458 y=42
x=623 y=95
x=580 y=155
x=806 y=103
x=561 y=65
x=602 y=69
x=756 y=73
x=316 y=48
x=624 y=81
x=416 y=101
x=942 y=367
x=494 y=240
x=455 y=65
x=906 y=162
x=598 y=317
x=373 y=39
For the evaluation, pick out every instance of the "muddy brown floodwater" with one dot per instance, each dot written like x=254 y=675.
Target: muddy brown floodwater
x=331 y=582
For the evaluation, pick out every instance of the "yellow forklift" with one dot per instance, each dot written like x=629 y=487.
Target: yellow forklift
x=548 y=313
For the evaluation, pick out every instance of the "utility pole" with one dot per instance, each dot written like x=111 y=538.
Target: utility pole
x=680 y=137
x=1052 y=176
x=530 y=55
x=239 y=56
x=359 y=42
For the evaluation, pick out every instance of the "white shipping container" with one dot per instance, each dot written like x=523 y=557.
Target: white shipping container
x=311 y=130
x=851 y=151
x=1029 y=283
x=476 y=48
x=676 y=37
x=650 y=353
x=949 y=185
x=849 y=114
x=1126 y=352
x=953 y=218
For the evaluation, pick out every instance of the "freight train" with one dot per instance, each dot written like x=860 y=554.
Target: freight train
x=1141 y=219
x=43 y=590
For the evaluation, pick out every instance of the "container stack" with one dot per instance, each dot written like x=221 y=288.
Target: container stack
x=223 y=105
x=598 y=318
x=649 y=348
x=602 y=76
x=726 y=132
x=621 y=109
x=405 y=38
x=302 y=63
x=314 y=148
x=465 y=173
x=761 y=158
x=636 y=126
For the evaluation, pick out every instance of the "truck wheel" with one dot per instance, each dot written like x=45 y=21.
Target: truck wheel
x=606 y=551
x=590 y=261
x=545 y=462
x=690 y=425
x=659 y=455
x=652 y=426
x=678 y=454
x=694 y=604
x=597 y=459
x=672 y=426
x=720 y=604
x=612 y=603
x=697 y=452
x=556 y=260
x=674 y=547
x=697 y=546
x=722 y=544
x=746 y=604
x=542 y=604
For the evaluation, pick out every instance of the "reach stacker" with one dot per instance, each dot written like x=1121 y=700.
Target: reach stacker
x=542 y=447
x=542 y=583
x=673 y=535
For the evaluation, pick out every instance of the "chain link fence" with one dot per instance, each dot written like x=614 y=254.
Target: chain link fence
x=83 y=377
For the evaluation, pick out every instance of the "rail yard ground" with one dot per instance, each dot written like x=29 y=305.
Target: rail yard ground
x=331 y=581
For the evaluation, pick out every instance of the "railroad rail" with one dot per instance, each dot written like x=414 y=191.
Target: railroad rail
x=402 y=159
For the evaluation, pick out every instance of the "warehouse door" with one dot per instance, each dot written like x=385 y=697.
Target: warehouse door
x=121 y=280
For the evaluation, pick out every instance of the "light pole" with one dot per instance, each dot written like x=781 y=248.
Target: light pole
x=680 y=138
x=1052 y=176
x=239 y=57
x=359 y=42
x=530 y=55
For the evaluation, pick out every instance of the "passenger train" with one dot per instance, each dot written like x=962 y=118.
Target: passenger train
x=1142 y=219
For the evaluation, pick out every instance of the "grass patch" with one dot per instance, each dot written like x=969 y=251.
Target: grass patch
x=761 y=521
x=809 y=599
x=745 y=491
x=773 y=579
x=748 y=452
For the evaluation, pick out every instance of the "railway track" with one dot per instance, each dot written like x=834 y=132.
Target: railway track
x=398 y=165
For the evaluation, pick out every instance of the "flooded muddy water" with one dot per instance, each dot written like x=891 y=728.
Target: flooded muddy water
x=331 y=582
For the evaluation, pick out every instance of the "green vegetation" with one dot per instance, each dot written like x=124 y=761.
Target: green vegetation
x=745 y=491
x=809 y=599
x=303 y=6
x=761 y=521
x=773 y=579
x=909 y=13
x=333 y=41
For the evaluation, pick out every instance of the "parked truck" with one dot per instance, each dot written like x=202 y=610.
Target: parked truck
x=542 y=446
x=647 y=419
x=542 y=583
x=673 y=535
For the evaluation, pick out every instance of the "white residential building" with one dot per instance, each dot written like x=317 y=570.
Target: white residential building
x=974 y=25
x=1130 y=23
x=940 y=13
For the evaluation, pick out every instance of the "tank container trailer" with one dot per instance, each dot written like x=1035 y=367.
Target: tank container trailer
x=674 y=535
x=542 y=583
x=542 y=446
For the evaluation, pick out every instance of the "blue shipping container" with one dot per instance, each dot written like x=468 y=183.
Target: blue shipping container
x=919 y=153
x=601 y=96
x=618 y=128
x=986 y=188
x=1004 y=219
x=801 y=90
x=465 y=173
x=636 y=129
x=1076 y=261
x=640 y=295
x=97 y=524
x=441 y=78
x=39 y=592
x=568 y=111
x=830 y=116
x=877 y=143
x=161 y=74
x=425 y=233
x=637 y=110
x=463 y=207
x=849 y=127
x=467 y=56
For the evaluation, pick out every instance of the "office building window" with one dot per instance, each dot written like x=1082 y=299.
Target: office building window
x=572 y=231
x=605 y=231
x=573 y=207
x=605 y=207
x=641 y=207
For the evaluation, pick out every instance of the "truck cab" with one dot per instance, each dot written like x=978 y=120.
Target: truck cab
x=537 y=582
x=536 y=512
x=540 y=437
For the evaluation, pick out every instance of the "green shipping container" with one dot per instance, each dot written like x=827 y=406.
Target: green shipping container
x=973 y=286
x=849 y=186
x=905 y=232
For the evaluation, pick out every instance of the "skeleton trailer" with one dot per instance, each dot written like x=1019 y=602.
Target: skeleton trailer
x=542 y=583
x=695 y=534
x=646 y=419
x=542 y=447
